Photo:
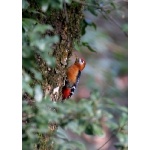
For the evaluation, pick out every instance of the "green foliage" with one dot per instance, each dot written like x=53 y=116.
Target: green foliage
x=80 y=117
x=35 y=41
x=25 y=4
x=57 y=4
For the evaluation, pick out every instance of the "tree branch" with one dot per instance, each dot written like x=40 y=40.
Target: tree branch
x=113 y=134
x=104 y=13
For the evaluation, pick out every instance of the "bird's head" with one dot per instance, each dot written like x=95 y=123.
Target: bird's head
x=80 y=62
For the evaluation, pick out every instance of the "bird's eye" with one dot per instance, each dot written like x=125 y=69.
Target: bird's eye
x=82 y=60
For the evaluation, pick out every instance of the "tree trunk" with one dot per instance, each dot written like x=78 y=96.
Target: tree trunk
x=66 y=24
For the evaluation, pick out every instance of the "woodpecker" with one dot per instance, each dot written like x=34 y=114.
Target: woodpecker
x=73 y=75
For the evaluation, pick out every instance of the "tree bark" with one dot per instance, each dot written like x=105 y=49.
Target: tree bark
x=66 y=24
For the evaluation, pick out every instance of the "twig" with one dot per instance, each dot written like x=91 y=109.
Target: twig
x=87 y=4
x=113 y=21
x=65 y=10
x=113 y=134
x=106 y=142
x=103 y=13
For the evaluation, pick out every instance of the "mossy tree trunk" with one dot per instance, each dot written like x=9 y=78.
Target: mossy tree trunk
x=66 y=24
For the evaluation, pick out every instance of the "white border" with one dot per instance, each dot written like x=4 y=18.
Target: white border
x=10 y=75
x=139 y=75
